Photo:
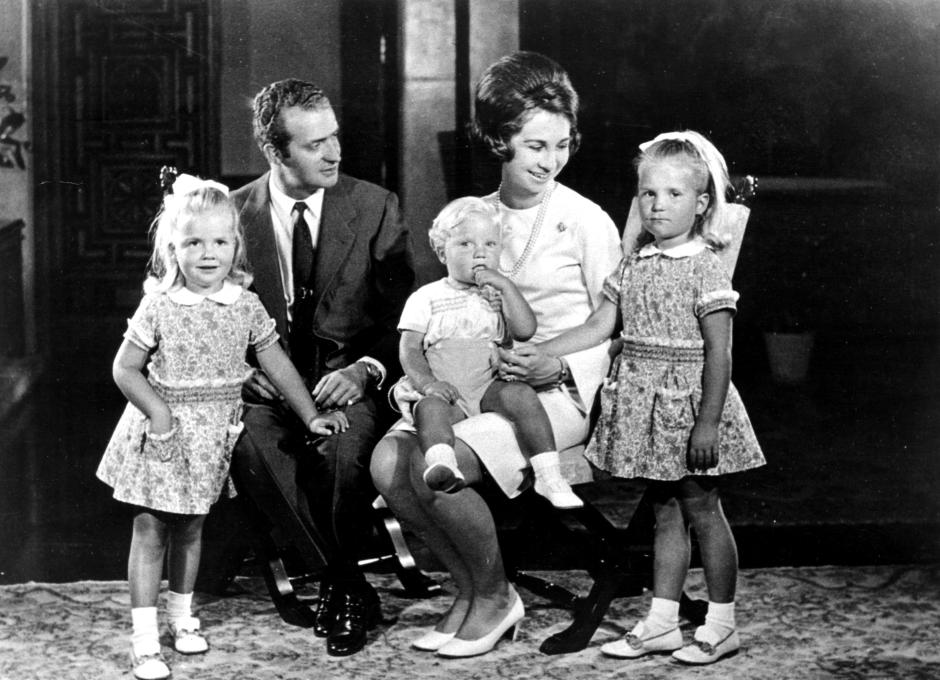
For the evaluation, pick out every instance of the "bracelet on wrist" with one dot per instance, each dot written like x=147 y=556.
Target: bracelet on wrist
x=564 y=373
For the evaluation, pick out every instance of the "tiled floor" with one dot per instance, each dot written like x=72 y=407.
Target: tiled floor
x=852 y=477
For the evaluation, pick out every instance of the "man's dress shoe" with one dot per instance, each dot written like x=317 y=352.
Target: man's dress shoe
x=327 y=609
x=359 y=611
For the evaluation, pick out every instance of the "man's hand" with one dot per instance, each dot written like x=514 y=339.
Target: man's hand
x=259 y=388
x=342 y=388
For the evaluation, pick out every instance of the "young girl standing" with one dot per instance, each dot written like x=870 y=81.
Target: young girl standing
x=450 y=331
x=669 y=411
x=169 y=455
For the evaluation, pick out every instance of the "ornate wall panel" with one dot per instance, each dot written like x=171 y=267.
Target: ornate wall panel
x=138 y=86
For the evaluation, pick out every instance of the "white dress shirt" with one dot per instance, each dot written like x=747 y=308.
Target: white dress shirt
x=282 y=207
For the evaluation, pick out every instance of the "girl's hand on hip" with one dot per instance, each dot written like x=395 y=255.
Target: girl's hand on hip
x=703 y=447
x=161 y=422
x=527 y=363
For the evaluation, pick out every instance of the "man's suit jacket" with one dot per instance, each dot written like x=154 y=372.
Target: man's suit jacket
x=363 y=270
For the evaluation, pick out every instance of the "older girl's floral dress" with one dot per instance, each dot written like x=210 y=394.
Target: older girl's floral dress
x=651 y=399
x=197 y=365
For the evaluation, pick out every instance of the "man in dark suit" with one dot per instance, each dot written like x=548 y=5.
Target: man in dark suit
x=331 y=265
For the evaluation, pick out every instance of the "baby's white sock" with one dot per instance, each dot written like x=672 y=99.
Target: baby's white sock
x=179 y=606
x=720 y=619
x=145 y=638
x=663 y=616
x=546 y=464
x=441 y=454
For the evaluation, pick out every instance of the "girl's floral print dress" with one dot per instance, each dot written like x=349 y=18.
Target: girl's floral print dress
x=197 y=366
x=651 y=399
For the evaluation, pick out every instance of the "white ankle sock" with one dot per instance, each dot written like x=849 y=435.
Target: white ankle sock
x=145 y=638
x=546 y=463
x=179 y=606
x=663 y=615
x=720 y=618
x=441 y=453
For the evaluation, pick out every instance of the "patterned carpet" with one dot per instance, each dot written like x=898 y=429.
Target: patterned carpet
x=811 y=622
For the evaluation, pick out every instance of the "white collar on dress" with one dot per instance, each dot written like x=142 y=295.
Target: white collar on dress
x=687 y=249
x=226 y=295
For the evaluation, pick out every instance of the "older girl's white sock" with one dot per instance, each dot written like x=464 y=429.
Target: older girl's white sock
x=663 y=615
x=720 y=618
x=179 y=606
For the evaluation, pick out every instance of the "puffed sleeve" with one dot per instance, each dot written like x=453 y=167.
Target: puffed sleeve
x=613 y=282
x=143 y=328
x=714 y=291
x=416 y=315
x=600 y=247
x=262 y=331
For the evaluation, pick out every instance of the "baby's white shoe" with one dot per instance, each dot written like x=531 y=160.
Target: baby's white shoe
x=550 y=483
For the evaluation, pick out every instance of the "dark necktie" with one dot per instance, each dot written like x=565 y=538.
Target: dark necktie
x=301 y=251
x=301 y=336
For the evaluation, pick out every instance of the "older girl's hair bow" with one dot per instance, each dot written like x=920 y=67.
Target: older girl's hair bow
x=671 y=136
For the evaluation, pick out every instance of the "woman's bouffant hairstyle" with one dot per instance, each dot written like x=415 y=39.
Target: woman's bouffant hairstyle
x=711 y=177
x=267 y=122
x=453 y=214
x=164 y=272
x=511 y=90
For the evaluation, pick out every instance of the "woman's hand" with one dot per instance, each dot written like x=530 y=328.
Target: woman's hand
x=703 y=446
x=529 y=364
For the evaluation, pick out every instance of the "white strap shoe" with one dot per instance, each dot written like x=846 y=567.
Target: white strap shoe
x=707 y=647
x=150 y=667
x=186 y=636
x=638 y=643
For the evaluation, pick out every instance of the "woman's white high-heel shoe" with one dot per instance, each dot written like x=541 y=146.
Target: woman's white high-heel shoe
x=432 y=641
x=458 y=648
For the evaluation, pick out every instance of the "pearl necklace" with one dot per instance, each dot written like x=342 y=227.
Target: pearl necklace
x=536 y=227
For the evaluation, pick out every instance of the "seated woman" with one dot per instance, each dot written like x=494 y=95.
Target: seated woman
x=557 y=248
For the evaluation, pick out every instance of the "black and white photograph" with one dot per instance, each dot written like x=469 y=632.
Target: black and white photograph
x=465 y=339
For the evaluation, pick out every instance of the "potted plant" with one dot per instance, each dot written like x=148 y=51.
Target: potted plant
x=789 y=329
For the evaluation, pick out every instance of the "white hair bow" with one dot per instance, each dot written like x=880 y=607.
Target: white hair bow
x=671 y=136
x=717 y=167
x=186 y=184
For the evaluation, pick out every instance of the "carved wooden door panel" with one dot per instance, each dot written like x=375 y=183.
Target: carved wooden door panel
x=138 y=89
